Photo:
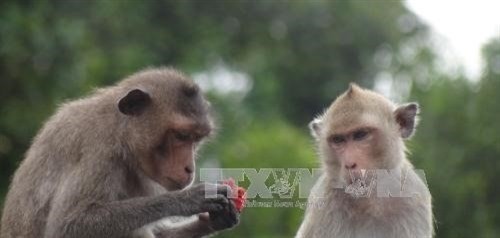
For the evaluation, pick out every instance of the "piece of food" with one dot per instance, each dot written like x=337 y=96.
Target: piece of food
x=240 y=199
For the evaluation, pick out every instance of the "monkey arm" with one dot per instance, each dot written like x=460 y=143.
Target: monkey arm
x=110 y=219
x=97 y=206
x=192 y=227
x=203 y=225
x=196 y=227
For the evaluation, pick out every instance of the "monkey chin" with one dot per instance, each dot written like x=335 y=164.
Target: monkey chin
x=173 y=185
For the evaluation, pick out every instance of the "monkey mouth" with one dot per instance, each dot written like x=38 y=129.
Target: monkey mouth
x=173 y=185
x=358 y=189
x=354 y=175
x=359 y=183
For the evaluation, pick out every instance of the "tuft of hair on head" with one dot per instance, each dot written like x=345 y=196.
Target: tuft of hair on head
x=353 y=87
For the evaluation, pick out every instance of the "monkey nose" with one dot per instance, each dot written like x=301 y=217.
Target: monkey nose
x=189 y=169
x=350 y=165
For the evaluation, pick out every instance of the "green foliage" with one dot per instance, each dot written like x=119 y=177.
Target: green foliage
x=272 y=144
x=297 y=54
x=458 y=146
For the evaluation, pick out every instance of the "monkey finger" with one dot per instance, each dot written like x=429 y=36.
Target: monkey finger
x=220 y=220
x=231 y=219
x=234 y=215
x=215 y=204
x=212 y=207
x=228 y=220
x=224 y=190
x=229 y=215
x=221 y=199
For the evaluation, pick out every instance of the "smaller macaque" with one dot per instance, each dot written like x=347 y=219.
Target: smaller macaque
x=359 y=135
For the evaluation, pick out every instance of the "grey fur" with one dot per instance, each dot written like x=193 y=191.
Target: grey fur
x=83 y=175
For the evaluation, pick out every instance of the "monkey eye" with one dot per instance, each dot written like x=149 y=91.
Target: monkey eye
x=197 y=137
x=337 y=139
x=182 y=136
x=359 y=134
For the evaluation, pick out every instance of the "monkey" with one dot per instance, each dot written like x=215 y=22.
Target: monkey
x=117 y=161
x=359 y=138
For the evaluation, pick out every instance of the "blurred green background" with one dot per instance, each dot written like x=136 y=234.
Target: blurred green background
x=269 y=67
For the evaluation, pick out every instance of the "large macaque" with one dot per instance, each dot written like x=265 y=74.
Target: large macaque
x=114 y=163
x=360 y=139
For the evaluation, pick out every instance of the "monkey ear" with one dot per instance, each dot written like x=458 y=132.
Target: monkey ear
x=134 y=102
x=315 y=127
x=406 y=117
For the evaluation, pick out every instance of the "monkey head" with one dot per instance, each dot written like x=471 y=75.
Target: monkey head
x=362 y=130
x=164 y=118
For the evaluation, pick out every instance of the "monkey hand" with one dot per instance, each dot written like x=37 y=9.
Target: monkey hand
x=221 y=220
x=238 y=194
x=206 y=197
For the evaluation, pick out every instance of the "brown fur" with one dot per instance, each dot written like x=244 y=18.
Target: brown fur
x=380 y=127
x=102 y=165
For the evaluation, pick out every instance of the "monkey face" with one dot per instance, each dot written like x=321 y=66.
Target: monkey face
x=354 y=144
x=173 y=160
x=354 y=151
x=362 y=131
x=167 y=118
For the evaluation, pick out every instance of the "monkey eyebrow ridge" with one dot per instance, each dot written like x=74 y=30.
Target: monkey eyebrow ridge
x=349 y=132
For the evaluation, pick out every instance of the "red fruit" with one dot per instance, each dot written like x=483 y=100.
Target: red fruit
x=240 y=199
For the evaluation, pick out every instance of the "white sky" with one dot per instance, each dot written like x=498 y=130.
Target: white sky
x=462 y=26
